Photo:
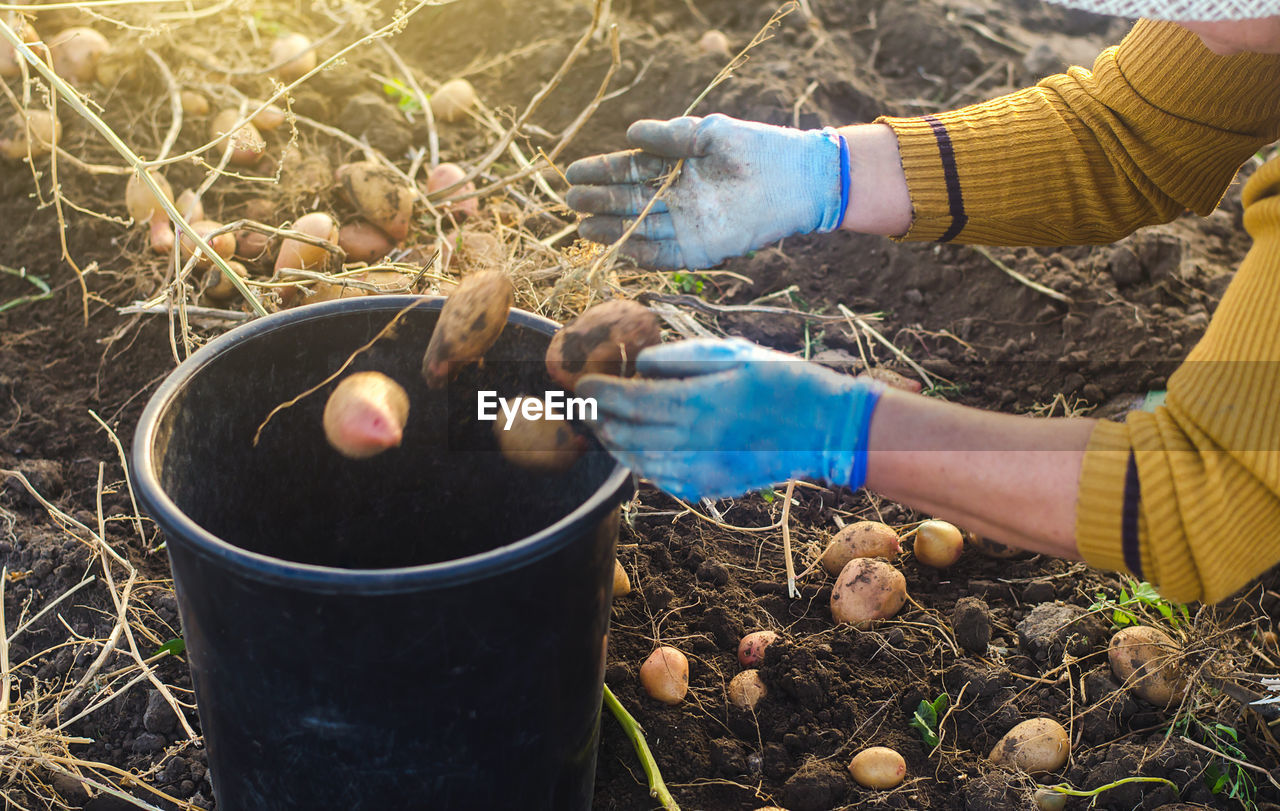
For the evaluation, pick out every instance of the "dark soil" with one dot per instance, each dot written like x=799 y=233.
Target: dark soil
x=1005 y=640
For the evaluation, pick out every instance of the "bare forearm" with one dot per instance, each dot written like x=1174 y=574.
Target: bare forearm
x=1010 y=478
x=878 y=198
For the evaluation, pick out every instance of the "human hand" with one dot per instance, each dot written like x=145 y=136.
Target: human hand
x=725 y=417
x=742 y=185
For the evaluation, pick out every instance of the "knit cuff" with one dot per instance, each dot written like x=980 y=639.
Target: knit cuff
x=1109 y=523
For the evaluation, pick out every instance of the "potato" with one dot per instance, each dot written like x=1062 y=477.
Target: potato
x=296 y=54
x=938 y=544
x=992 y=549
x=363 y=242
x=476 y=250
x=621 y=581
x=218 y=287
x=444 y=176
x=223 y=245
x=268 y=118
x=365 y=415
x=1046 y=799
x=550 y=446
x=746 y=689
x=140 y=200
x=714 y=43
x=1036 y=745
x=863 y=539
x=1145 y=660
x=878 y=767
x=665 y=675
x=300 y=255
x=867 y=589
x=10 y=66
x=189 y=206
x=752 y=646
x=193 y=103
x=246 y=143
x=380 y=195
x=470 y=322
x=603 y=340
x=254 y=246
x=37 y=133
x=453 y=100
x=75 y=52
x=892 y=379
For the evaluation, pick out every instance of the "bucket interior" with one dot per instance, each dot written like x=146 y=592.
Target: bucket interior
x=445 y=493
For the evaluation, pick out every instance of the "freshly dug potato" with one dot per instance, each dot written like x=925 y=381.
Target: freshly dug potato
x=752 y=646
x=254 y=246
x=218 y=287
x=193 y=103
x=938 y=544
x=365 y=415
x=475 y=250
x=621 y=581
x=363 y=242
x=9 y=59
x=379 y=194
x=550 y=446
x=140 y=200
x=1037 y=745
x=665 y=675
x=268 y=118
x=893 y=379
x=453 y=100
x=746 y=689
x=223 y=245
x=37 y=132
x=189 y=206
x=1046 y=799
x=992 y=549
x=1145 y=660
x=246 y=143
x=867 y=589
x=714 y=43
x=862 y=539
x=470 y=322
x=295 y=51
x=304 y=255
x=444 y=176
x=878 y=767
x=75 y=52
x=603 y=340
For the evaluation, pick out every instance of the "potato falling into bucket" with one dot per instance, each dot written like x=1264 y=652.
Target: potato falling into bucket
x=470 y=322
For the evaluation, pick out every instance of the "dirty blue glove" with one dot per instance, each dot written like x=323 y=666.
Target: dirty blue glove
x=738 y=418
x=743 y=185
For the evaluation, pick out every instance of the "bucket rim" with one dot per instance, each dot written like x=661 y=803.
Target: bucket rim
x=181 y=529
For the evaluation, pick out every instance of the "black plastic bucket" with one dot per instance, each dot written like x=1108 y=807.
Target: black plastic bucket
x=423 y=629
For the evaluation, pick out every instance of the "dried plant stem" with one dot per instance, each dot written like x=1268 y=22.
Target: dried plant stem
x=792 y=591
x=1036 y=286
x=860 y=323
x=630 y=726
x=175 y=106
x=4 y=659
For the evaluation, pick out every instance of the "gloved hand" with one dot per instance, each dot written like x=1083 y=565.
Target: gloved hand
x=742 y=185
x=738 y=418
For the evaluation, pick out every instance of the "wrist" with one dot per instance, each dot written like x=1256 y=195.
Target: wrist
x=879 y=201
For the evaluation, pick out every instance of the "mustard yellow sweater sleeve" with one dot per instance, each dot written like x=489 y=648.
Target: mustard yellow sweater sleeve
x=1159 y=126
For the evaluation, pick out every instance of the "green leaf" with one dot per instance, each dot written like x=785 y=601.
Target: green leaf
x=174 y=647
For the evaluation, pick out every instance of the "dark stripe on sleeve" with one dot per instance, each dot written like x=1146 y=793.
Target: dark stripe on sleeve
x=952 y=177
x=1129 y=519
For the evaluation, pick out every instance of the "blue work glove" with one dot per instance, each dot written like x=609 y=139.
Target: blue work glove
x=743 y=185
x=727 y=417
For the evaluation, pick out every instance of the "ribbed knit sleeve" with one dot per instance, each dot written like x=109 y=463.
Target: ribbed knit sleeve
x=1188 y=497
x=1159 y=126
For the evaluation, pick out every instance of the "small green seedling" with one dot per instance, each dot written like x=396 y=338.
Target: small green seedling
x=1226 y=777
x=690 y=283
x=927 y=718
x=1135 y=604
x=174 y=647
x=400 y=93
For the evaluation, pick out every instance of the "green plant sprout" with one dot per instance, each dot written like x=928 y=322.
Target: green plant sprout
x=400 y=93
x=174 y=647
x=36 y=282
x=689 y=283
x=1229 y=778
x=927 y=717
x=657 y=788
x=1070 y=791
x=1135 y=603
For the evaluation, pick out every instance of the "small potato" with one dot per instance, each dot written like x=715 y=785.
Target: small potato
x=189 y=206
x=892 y=379
x=714 y=43
x=470 y=322
x=453 y=100
x=550 y=446
x=938 y=544
x=1046 y=799
x=621 y=581
x=363 y=242
x=1145 y=660
x=444 y=176
x=299 y=255
x=218 y=287
x=140 y=200
x=10 y=62
x=380 y=195
x=665 y=675
x=193 y=103
x=867 y=589
x=246 y=143
x=223 y=245
x=746 y=689
x=296 y=54
x=751 y=648
x=365 y=415
x=75 y=52
x=36 y=133
x=862 y=539
x=1037 y=745
x=603 y=340
x=268 y=118
x=992 y=549
x=878 y=767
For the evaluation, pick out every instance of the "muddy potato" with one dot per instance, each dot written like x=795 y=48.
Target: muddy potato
x=867 y=589
x=380 y=195
x=218 y=287
x=246 y=143
x=75 y=52
x=1036 y=745
x=938 y=544
x=453 y=100
x=444 y=176
x=363 y=242
x=365 y=415
x=141 y=202
x=752 y=646
x=621 y=581
x=878 y=767
x=296 y=54
x=300 y=255
x=254 y=246
x=223 y=245
x=189 y=206
x=470 y=249
x=550 y=446
x=603 y=340
x=665 y=675
x=746 y=689
x=37 y=133
x=862 y=539
x=1145 y=660
x=470 y=322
